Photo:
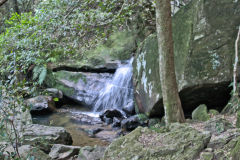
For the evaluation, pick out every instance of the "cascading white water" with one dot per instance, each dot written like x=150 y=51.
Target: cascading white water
x=118 y=91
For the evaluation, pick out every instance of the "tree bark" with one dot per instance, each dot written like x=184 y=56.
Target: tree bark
x=171 y=101
x=16 y=7
x=2 y=2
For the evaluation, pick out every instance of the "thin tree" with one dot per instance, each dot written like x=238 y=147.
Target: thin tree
x=171 y=101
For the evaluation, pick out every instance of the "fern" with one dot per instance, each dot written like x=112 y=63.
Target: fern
x=36 y=72
x=42 y=75
x=39 y=73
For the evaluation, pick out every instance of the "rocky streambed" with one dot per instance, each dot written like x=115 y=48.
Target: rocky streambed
x=86 y=128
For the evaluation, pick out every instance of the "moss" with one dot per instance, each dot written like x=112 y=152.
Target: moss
x=213 y=112
x=154 y=121
x=207 y=156
x=142 y=117
x=200 y=113
x=65 y=89
x=167 y=143
x=119 y=46
x=71 y=76
x=235 y=153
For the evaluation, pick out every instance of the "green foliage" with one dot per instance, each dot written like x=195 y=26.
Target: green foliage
x=40 y=73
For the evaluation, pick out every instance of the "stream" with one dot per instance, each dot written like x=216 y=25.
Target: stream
x=80 y=123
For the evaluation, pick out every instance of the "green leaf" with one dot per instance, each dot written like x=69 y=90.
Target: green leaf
x=55 y=99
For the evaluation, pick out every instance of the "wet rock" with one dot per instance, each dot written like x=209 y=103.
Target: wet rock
x=200 y=113
x=54 y=92
x=129 y=108
x=82 y=87
x=107 y=120
x=116 y=122
x=91 y=153
x=63 y=152
x=41 y=105
x=45 y=136
x=94 y=131
x=133 y=122
x=177 y=142
x=108 y=115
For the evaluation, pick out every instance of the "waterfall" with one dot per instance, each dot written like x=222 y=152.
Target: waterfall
x=117 y=92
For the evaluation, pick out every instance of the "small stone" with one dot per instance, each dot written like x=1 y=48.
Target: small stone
x=91 y=153
x=213 y=112
x=206 y=156
x=116 y=122
x=62 y=152
x=208 y=149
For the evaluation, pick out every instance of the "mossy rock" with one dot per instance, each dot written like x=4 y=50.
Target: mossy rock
x=170 y=144
x=235 y=153
x=207 y=156
x=200 y=113
x=203 y=52
x=213 y=112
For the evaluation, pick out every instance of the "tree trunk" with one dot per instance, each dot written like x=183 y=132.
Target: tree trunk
x=16 y=7
x=171 y=100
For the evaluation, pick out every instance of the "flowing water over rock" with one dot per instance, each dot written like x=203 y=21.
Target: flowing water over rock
x=118 y=92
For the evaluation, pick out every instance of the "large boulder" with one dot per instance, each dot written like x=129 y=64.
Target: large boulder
x=45 y=136
x=204 y=33
x=178 y=142
x=82 y=87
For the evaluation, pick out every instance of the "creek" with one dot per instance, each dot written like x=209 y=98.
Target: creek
x=83 y=122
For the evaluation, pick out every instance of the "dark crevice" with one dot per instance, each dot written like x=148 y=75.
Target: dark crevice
x=85 y=69
x=66 y=101
x=215 y=96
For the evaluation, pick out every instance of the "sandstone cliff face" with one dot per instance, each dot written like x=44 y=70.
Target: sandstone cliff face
x=204 y=33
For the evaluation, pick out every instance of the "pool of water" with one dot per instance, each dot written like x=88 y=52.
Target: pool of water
x=79 y=121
